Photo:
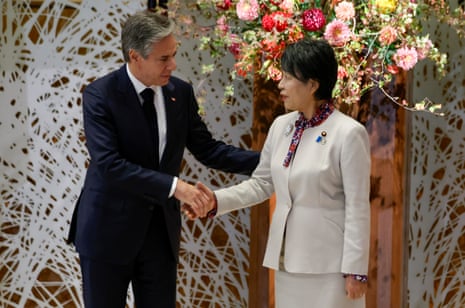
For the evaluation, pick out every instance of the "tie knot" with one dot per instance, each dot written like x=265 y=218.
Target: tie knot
x=147 y=95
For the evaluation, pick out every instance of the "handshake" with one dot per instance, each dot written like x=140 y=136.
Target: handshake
x=197 y=201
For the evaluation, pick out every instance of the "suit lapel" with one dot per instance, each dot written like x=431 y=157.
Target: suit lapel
x=128 y=95
x=129 y=98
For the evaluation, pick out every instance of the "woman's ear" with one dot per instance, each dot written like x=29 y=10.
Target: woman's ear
x=313 y=85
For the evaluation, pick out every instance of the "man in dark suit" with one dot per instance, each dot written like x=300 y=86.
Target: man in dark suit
x=126 y=224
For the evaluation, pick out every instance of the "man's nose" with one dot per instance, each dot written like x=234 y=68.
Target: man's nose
x=172 y=64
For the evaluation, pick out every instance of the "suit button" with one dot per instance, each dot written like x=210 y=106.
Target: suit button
x=151 y=208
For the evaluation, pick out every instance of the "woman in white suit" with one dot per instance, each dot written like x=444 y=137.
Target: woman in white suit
x=319 y=236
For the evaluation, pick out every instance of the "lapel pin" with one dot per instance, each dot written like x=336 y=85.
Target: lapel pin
x=288 y=130
x=321 y=138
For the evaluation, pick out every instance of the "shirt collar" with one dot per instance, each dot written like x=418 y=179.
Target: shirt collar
x=139 y=86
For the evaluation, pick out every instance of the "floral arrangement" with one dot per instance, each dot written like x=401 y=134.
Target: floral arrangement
x=373 y=39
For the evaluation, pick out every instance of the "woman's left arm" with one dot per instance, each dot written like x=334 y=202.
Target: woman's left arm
x=355 y=171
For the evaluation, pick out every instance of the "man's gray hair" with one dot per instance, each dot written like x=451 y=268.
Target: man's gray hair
x=143 y=29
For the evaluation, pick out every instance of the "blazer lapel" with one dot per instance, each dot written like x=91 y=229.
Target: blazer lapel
x=284 y=136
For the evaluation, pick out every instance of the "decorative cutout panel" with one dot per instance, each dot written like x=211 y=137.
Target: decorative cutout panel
x=436 y=224
x=49 y=52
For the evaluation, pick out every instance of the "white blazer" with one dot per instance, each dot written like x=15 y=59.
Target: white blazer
x=322 y=198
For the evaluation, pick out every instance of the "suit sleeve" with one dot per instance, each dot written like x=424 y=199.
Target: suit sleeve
x=254 y=190
x=355 y=169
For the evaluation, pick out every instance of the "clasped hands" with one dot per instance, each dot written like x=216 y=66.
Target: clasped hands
x=197 y=201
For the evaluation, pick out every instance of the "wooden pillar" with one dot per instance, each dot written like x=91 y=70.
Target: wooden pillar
x=267 y=107
x=388 y=128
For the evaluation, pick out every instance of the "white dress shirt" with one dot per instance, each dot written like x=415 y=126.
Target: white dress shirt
x=161 y=116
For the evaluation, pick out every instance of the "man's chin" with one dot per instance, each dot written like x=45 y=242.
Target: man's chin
x=163 y=82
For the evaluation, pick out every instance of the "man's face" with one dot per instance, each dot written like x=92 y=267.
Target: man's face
x=156 y=69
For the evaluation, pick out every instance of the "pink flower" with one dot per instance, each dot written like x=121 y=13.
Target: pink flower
x=274 y=73
x=247 y=9
x=387 y=35
x=222 y=25
x=345 y=11
x=287 y=5
x=423 y=48
x=337 y=33
x=342 y=73
x=313 y=20
x=406 y=58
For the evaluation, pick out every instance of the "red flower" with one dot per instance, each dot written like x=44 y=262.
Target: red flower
x=235 y=47
x=280 y=19
x=393 y=69
x=295 y=35
x=268 y=45
x=272 y=49
x=242 y=69
x=276 y=20
x=313 y=20
x=268 y=23
x=225 y=5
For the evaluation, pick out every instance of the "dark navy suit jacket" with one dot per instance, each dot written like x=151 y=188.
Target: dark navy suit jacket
x=122 y=184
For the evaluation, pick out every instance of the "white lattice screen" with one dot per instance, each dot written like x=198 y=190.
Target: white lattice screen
x=436 y=260
x=49 y=52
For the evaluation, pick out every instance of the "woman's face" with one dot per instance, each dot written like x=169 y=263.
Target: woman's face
x=296 y=95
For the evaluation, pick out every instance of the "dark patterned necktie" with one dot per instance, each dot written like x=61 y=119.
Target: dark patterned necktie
x=151 y=116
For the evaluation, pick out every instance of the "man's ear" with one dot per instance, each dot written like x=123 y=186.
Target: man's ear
x=134 y=56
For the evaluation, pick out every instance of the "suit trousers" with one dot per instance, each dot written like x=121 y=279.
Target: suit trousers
x=152 y=274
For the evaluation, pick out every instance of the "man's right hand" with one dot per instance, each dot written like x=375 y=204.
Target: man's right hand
x=197 y=199
x=210 y=205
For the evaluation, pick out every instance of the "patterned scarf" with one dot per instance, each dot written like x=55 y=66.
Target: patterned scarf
x=301 y=124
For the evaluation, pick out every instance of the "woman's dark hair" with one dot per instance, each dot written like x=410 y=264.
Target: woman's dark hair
x=312 y=59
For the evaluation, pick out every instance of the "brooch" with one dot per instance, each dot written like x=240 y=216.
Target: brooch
x=321 y=138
